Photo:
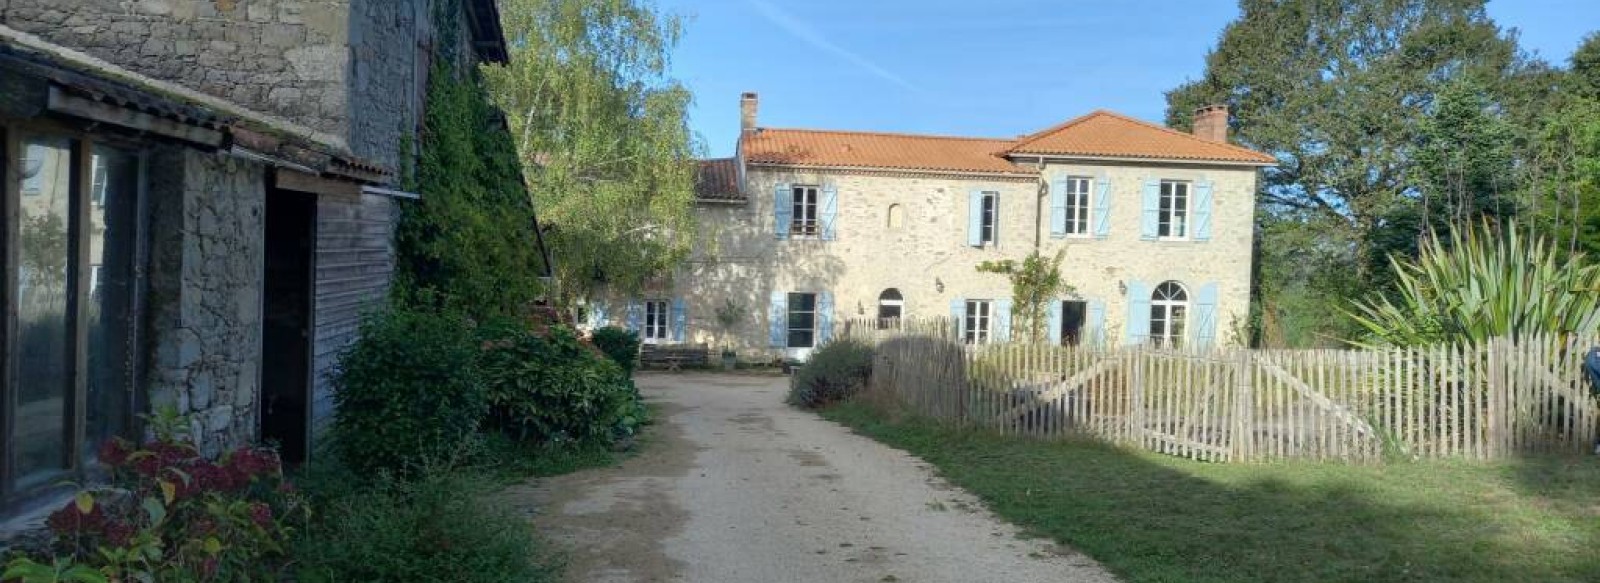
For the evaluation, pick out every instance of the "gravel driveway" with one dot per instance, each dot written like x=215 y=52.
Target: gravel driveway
x=735 y=486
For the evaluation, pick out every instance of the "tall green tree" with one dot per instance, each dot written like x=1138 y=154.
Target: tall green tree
x=602 y=134
x=1561 y=156
x=1339 y=91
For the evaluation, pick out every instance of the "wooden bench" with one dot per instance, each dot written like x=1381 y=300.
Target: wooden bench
x=673 y=356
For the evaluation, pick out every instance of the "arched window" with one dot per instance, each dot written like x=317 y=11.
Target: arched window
x=1169 y=306
x=891 y=306
x=897 y=217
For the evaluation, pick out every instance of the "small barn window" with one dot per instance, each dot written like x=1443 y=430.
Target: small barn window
x=897 y=217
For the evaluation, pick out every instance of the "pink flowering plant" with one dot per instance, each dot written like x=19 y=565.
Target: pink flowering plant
x=174 y=515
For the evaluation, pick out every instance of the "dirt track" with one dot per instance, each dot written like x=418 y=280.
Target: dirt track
x=734 y=486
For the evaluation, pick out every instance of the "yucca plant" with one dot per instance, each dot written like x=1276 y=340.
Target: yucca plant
x=1481 y=283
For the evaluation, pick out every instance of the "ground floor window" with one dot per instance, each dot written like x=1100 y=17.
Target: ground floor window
x=979 y=322
x=802 y=320
x=657 y=321
x=71 y=286
x=1073 y=314
x=1169 y=306
x=891 y=307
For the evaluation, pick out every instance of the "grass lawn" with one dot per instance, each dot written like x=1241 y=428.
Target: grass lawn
x=1155 y=518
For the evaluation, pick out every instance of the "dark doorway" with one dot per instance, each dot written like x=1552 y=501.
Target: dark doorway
x=1072 y=316
x=287 y=324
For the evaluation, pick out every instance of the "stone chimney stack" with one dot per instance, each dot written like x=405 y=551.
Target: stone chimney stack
x=1211 y=123
x=748 y=104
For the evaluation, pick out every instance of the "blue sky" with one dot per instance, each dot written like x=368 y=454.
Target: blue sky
x=990 y=68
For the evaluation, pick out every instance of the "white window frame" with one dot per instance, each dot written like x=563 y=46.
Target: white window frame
x=989 y=219
x=790 y=311
x=977 y=326
x=1173 y=210
x=898 y=304
x=1079 y=215
x=657 y=322
x=1169 y=305
x=805 y=207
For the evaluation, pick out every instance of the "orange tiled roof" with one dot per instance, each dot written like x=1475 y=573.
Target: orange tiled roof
x=717 y=179
x=878 y=150
x=1113 y=135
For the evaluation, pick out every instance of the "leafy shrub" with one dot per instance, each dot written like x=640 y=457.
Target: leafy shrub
x=437 y=527
x=554 y=387
x=408 y=391
x=620 y=345
x=173 y=516
x=835 y=372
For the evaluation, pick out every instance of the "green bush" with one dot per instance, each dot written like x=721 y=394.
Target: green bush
x=555 y=388
x=408 y=391
x=620 y=345
x=835 y=372
x=438 y=527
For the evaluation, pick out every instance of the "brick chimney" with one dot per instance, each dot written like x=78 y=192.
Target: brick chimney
x=748 y=104
x=1211 y=123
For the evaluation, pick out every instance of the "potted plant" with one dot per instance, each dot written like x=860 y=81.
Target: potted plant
x=729 y=315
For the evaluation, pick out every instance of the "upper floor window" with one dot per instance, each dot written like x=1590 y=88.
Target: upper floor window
x=1172 y=220
x=805 y=211
x=989 y=218
x=1077 y=205
x=1169 y=307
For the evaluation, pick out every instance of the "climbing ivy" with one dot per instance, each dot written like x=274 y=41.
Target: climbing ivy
x=469 y=244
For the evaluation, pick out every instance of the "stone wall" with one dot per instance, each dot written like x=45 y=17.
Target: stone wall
x=739 y=258
x=204 y=308
x=284 y=57
x=391 y=42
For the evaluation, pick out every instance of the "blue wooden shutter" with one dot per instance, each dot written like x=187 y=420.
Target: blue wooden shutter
x=1054 y=322
x=680 y=320
x=1102 y=209
x=1001 y=316
x=1137 y=330
x=975 y=218
x=782 y=210
x=778 y=320
x=829 y=212
x=1058 y=208
x=1205 y=315
x=1097 y=323
x=958 y=312
x=1202 y=211
x=597 y=315
x=824 y=318
x=635 y=316
x=1149 y=222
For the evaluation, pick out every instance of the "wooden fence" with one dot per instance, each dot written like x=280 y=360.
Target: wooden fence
x=1472 y=401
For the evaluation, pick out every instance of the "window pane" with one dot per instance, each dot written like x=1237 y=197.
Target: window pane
x=112 y=243
x=799 y=339
x=802 y=320
x=802 y=302
x=42 y=338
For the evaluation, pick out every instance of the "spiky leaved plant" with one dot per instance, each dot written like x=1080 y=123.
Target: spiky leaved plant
x=1481 y=283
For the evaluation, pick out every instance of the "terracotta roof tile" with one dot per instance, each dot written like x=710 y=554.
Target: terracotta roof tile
x=878 y=150
x=717 y=179
x=1113 y=135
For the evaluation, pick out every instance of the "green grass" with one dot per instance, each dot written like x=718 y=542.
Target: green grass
x=1156 y=518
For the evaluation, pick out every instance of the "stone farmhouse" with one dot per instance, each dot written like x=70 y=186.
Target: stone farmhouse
x=199 y=201
x=804 y=229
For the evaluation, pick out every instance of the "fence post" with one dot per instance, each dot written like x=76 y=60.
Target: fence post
x=1244 y=431
x=1136 y=416
x=1496 y=399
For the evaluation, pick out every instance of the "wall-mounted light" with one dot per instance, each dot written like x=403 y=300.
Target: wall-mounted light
x=1122 y=288
x=938 y=285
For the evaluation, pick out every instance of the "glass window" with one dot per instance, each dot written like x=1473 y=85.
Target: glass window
x=1173 y=218
x=805 y=211
x=991 y=210
x=802 y=320
x=1168 y=307
x=655 y=321
x=976 y=330
x=891 y=306
x=1077 y=196
x=1072 y=320
x=43 y=328
x=113 y=246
